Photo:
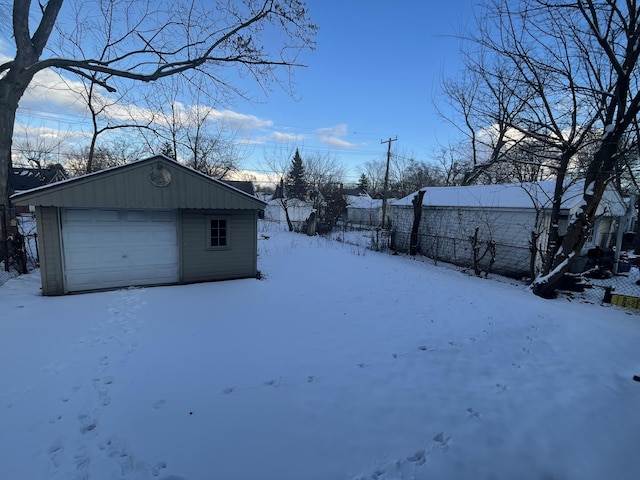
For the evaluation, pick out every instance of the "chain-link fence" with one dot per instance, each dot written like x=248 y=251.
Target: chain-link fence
x=514 y=261
x=481 y=256
x=621 y=288
x=371 y=238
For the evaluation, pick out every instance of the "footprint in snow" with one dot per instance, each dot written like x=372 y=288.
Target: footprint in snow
x=312 y=379
x=418 y=458
x=409 y=466
x=55 y=451
x=159 y=404
x=118 y=451
x=102 y=385
x=87 y=423
x=155 y=471
x=501 y=388
x=56 y=419
x=377 y=473
x=82 y=459
x=442 y=440
x=473 y=413
x=274 y=382
x=228 y=390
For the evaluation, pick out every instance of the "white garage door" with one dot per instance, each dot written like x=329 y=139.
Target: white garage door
x=118 y=248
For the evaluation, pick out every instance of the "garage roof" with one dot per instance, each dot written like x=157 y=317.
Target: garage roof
x=156 y=182
x=515 y=196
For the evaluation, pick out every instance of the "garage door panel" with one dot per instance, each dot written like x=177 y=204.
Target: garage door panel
x=162 y=216
x=114 y=248
x=80 y=237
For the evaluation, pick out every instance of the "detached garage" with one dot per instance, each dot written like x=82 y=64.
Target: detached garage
x=151 y=222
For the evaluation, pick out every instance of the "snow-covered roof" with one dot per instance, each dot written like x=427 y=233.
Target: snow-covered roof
x=291 y=203
x=512 y=195
x=363 y=201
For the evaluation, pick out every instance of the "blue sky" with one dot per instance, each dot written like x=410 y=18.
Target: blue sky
x=375 y=74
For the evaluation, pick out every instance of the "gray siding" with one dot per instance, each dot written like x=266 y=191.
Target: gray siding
x=49 y=245
x=156 y=183
x=239 y=260
x=130 y=186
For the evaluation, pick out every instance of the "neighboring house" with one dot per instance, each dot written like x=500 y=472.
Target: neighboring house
x=364 y=210
x=299 y=211
x=150 y=222
x=24 y=178
x=265 y=197
x=244 y=185
x=504 y=217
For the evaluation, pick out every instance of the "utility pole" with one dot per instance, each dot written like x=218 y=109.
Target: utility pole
x=386 y=180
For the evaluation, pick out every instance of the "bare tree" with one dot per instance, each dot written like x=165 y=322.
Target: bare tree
x=408 y=174
x=196 y=133
x=38 y=147
x=112 y=153
x=277 y=164
x=156 y=40
x=452 y=162
x=573 y=70
x=374 y=171
x=107 y=109
x=325 y=175
x=208 y=146
x=485 y=103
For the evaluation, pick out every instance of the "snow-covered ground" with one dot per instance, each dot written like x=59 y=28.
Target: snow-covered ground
x=340 y=363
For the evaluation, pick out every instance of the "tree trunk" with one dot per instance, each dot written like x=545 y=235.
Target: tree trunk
x=13 y=84
x=533 y=248
x=285 y=207
x=553 y=242
x=92 y=151
x=9 y=96
x=415 y=229
x=578 y=230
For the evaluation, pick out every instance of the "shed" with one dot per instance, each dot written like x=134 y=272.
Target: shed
x=150 y=222
x=498 y=221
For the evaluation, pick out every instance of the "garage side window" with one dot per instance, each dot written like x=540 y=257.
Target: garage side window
x=219 y=233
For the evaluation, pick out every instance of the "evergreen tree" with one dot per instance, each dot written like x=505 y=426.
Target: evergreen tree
x=363 y=183
x=296 y=182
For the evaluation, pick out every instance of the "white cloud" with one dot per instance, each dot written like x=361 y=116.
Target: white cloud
x=333 y=136
x=55 y=95
x=287 y=137
x=258 y=178
x=50 y=93
x=58 y=104
x=240 y=121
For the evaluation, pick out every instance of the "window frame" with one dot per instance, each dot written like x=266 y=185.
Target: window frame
x=593 y=237
x=208 y=237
